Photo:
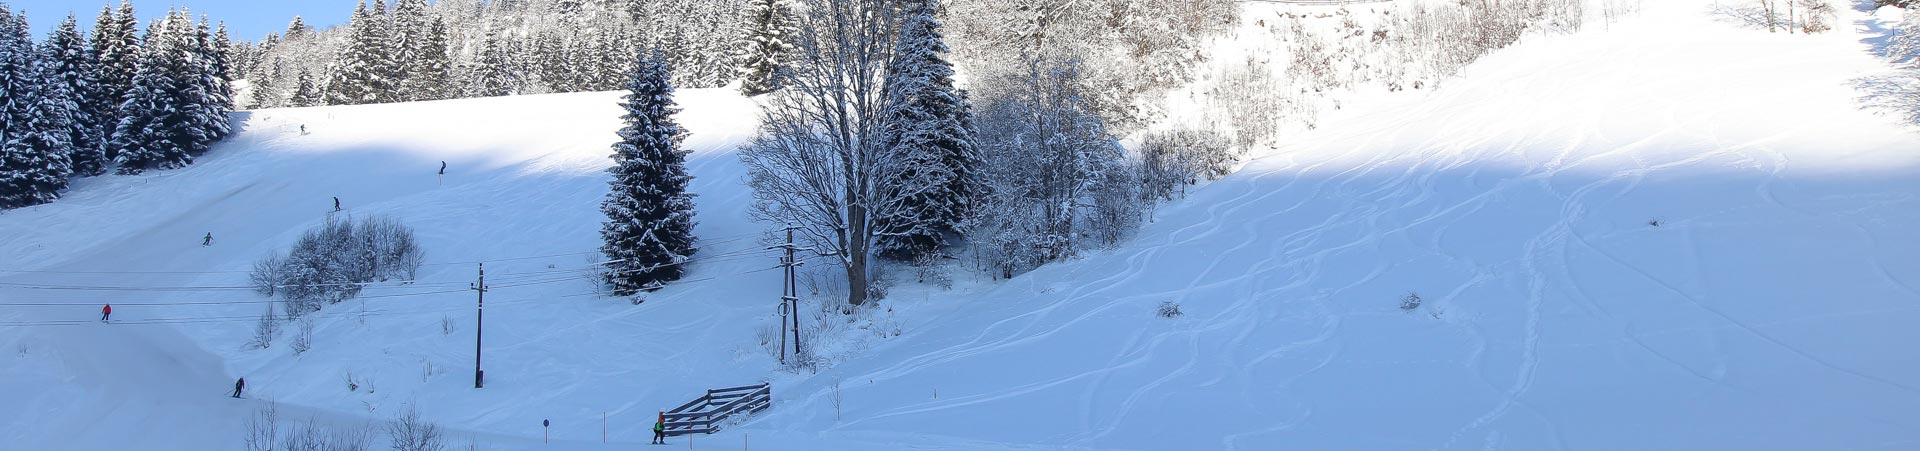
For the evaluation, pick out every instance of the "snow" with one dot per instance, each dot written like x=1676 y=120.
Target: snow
x=1765 y=311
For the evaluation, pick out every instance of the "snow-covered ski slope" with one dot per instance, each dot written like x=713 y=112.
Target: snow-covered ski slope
x=1770 y=308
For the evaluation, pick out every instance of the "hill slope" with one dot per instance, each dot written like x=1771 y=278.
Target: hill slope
x=1763 y=311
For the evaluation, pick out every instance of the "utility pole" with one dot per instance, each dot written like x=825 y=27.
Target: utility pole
x=789 y=298
x=479 y=321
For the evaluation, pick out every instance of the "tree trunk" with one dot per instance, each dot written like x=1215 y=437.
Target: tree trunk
x=857 y=254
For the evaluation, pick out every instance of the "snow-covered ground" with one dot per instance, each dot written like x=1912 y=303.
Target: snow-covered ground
x=1768 y=309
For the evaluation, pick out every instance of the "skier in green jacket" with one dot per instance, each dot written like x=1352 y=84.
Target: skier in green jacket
x=660 y=430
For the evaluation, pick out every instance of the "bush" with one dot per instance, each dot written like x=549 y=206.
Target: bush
x=331 y=263
x=262 y=433
x=266 y=329
x=1169 y=309
x=1410 y=302
x=1172 y=159
x=303 y=339
x=410 y=433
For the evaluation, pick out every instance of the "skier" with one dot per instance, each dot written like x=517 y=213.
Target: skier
x=106 y=311
x=336 y=203
x=443 y=167
x=208 y=241
x=303 y=129
x=239 y=385
x=660 y=430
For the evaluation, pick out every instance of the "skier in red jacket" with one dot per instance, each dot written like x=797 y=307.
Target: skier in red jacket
x=105 y=312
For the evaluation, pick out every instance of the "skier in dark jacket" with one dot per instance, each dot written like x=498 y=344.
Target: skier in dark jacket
x=336 y=203
x=208 y=241
x=239 y=385
x=660 y=430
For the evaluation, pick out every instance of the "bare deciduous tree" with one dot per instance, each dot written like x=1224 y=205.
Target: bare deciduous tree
x=821 y=162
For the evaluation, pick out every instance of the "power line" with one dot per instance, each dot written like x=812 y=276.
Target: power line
x=713 y=240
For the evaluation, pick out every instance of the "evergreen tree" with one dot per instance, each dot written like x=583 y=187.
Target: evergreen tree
x=649 y=228
x=34 y=163
x=163 y=123
x=495 y=73
x=407 y=31
x=116 y=43
x=76 y=68
x=213 y=95
x=929 y=127
x=305 y=94
x=765 y=48
x=365 y=73
x=296 y=29
x=266 y=89
x=429 y=70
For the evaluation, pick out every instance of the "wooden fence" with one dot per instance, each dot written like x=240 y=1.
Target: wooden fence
x=704 y=415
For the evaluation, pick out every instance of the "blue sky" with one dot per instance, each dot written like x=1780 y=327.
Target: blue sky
x=246 y=19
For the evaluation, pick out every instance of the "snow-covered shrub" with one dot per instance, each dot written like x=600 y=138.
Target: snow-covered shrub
x=882 y=280
x=1816 y=16
x=928 y=270
x=262 y=429
x=1049 y=163
x=266 y=274
x=1256 y=103
x=265 y=329
x=1169 y=309
x=332 y=262
x=303 y=336
x=410 y=433
x=1904 y=46
x=1133 y=50
x=1170 y=160
x=1410 y=301
x=310 y=435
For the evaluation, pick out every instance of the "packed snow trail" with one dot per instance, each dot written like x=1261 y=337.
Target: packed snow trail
x=1764 y=311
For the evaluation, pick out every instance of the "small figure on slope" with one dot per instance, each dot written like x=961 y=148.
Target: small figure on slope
x=660 y=430
x=208 y=241
x=238 y=386
x=106 y=312
x=336 y=203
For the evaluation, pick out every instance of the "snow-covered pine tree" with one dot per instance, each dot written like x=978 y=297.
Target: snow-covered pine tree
x=116 y=44
x=408 y=25
x=649 y=228
x=929 y=128
x=429 y=71
x=296 y=29
x=765 y=48
x=265 y=91
x=34 y=163
x=161 y=125
x=305 y=94
x=494 y=73
x=365 y=73
x=73 y=65
x=213 y=96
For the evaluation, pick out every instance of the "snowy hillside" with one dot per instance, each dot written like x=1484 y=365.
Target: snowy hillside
x=1671 y=233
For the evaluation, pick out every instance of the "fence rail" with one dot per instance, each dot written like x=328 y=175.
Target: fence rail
x=704 y=414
